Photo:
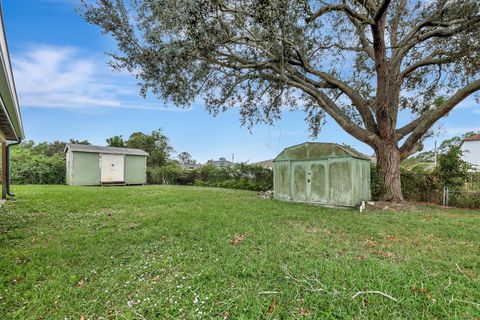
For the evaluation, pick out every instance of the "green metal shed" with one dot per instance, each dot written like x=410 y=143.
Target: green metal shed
x=89 y=165
x=322 y=173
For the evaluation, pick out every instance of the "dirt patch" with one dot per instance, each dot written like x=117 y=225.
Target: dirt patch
x=370 y=242
x=238 y=239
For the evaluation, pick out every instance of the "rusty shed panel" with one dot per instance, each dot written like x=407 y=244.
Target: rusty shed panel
x=322 y=173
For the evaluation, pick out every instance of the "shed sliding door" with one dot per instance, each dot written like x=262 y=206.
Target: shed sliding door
x=112 y=168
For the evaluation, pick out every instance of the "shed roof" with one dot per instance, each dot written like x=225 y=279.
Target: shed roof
x=318 y=150
x=100 y=149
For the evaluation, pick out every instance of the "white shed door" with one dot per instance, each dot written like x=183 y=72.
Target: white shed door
x=112 y=168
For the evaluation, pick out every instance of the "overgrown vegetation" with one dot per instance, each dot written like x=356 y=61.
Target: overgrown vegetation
x=417 y=186
x=173 y=252
x=423 y=181
x=240 y=176
x=28 y=166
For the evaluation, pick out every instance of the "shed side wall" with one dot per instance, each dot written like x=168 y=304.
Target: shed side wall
x=135 y=170
x=86 y=169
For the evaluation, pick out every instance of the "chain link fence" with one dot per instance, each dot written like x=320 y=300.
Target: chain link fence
x=466 y=197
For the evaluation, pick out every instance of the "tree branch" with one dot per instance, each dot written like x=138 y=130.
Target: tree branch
x=428 y=119
x=381 y=10
x=415 y=37
x=358 y=101
x=360 y=31
x=396 y=21
x=340 y=7
x=426 y=62
x=334 y=111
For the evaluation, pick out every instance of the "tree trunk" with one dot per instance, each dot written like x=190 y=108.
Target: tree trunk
x=388 y=158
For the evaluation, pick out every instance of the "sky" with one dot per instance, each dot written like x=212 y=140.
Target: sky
x=67 y=90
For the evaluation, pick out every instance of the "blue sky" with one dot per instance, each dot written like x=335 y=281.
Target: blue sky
x=66 y=90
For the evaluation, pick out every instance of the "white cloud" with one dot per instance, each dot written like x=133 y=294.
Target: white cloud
x=66 y=78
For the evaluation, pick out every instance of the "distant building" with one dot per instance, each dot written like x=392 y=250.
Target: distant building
x=471 y=150
x=191 y=165
x=267 y=164
x=221 y=162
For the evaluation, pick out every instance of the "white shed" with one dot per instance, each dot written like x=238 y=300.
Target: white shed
x=96 y=165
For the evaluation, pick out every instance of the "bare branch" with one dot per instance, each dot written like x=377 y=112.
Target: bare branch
x=374 y=292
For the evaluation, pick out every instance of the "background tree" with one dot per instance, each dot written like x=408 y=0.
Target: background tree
x=452 y=170
x=155 y=143
x=75 y=141
x=185 y=157
x=358 y=62
x=55 y=147
x=116 y=141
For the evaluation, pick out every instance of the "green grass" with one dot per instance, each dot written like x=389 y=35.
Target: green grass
x=166 y=252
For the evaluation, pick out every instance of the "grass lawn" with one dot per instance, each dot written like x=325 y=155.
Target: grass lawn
x=175 y=252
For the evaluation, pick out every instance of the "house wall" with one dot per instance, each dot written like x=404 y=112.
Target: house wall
x=471 y=152
x=86 y=169
x=135 y=169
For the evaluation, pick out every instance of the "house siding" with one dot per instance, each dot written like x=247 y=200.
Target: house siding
x=471 y=152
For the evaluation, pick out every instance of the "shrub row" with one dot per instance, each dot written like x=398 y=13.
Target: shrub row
x=241 y=176
x=28 y=167
x=424 y=186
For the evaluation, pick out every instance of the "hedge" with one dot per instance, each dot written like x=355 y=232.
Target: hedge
x=240 y=176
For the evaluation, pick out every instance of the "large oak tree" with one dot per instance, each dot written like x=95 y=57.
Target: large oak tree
x=361 y=62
